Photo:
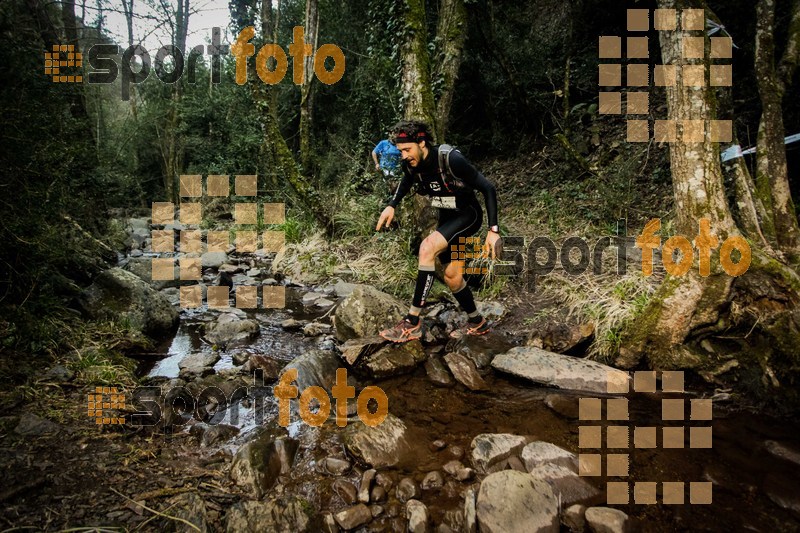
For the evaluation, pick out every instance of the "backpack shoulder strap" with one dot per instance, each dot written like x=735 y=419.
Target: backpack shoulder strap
x=450 y=179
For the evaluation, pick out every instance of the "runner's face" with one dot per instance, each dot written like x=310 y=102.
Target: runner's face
x=412 y=152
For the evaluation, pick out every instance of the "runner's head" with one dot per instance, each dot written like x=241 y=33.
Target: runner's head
x=412 y=138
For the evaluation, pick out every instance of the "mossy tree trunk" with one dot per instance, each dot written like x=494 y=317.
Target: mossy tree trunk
x=450 y=36
x=307 y=87
x=772 y=179
x=756 y=312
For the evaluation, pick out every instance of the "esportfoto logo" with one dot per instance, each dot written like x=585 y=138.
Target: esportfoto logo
x=136 y=64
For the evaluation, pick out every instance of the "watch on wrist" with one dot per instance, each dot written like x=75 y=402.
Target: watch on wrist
x=495 y=229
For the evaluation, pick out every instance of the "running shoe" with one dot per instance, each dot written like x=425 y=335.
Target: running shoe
x=481 y=328
x=404 y=331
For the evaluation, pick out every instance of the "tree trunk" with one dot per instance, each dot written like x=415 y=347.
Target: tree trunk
x=416 y=79
x=307 y=88
x=758 y=309
x=772 y=179
x=450 y=34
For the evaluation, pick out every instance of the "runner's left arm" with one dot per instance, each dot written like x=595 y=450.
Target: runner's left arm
x=470 y=175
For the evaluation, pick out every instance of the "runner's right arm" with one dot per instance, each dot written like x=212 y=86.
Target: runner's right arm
x=402 y=189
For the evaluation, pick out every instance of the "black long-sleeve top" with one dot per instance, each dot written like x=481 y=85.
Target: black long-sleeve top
x=429 y=182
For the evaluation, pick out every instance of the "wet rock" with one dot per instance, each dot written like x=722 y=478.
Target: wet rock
x=270 y=368
x=197 y=365
x=510 y=501
x=324 y=303
x=566 y=484
x=346 y=491
x=58 y=374
x=457 y=452
x=454 y=519
x=783 y=492
x=393 y=509
x=606 y=520
x=470 y=514
x=344 y=289
x=437 y=372
x=458 y=470
x=437 y=445
x=229 y=268
x=315 y=368
x=366 y=484
x=376 y=510
x=382 y=446
x=392 y=360
x=561 y=337
x=354 y=349
x=217 y=434
x=190 y=507
x=561 y=371
x=407 y=489
x=142 y=267
x=31 y=425
x=254 y=272
x=481 y=350
x=573 y=518
x=540 y=453
x=491 y=310
x=465 y=372
x=417 y=515
x=384 y=480
x=240 y=358
x=377 y=494
x=229 y=329
x=311 y=297
x=336 y=467
x=353 y=517
x=173 y=294
x=121 y=296
x=783 y=451
x=329 y=524
x=490 y=450
x=257 y=464
x=290 y=514
x=432 y=480
x=452 y=467
x=566 y=406
x=315 y=329
x=290 y=324
x=366 y=312
x=213 y=259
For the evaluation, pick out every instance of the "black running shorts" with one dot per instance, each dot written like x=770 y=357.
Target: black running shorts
x=455 y=223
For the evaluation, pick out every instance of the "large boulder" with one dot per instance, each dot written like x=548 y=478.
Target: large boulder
x=561 y=371
x=393 y=359
x=289 y=515
x=143 y=268
x=385 y=445
x=366 y=312
x=257 y=465
x=511 y=501
x=566 y=484
x=119 y=295
x=229 y=329
x=489 y=450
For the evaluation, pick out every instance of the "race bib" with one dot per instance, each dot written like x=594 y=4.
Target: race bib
x=444 y=202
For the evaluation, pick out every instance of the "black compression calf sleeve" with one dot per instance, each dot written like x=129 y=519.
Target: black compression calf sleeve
x=465 y=299
x=424 y=283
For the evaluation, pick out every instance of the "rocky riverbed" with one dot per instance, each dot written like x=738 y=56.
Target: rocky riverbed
x=481 y=434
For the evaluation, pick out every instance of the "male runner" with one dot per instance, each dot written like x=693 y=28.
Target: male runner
x=460 y=215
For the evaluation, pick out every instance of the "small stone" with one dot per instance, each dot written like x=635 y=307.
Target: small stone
x=376 y=510
x=573 y=517
x=490 y=450
x=432 y=480
x=377 y=494
x=353 y=517
x=417 y=514
x=365 y=485
x=438 y=445
x=407 y=489
x=337 y=467
x=324 y=303
x=290 y=324
x=393 y=509
x=240 y=358
x=566 y=406
x=384 y=480
x=606 y=520
x=329 y=524
x=457 y=452
x=470 y=518
x=465 y=474
x=346 y=491
x=451 y=467
x=465 y=372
